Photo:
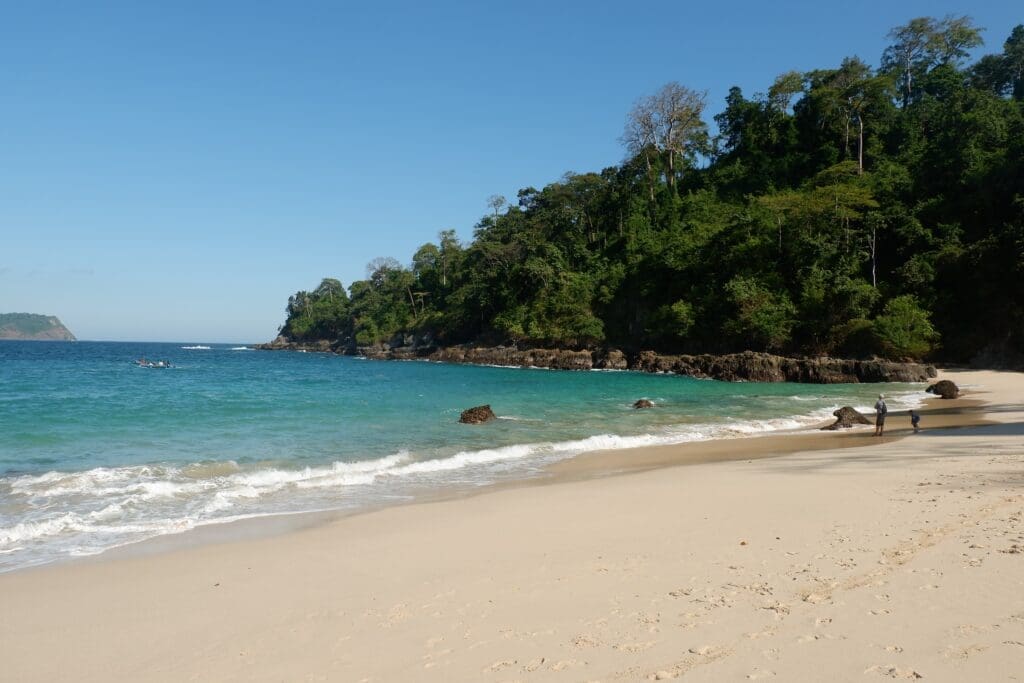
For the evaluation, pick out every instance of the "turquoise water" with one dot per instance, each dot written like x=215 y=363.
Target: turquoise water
x=97 y=451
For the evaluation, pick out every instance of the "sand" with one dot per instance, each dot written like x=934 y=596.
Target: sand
x=892 y=558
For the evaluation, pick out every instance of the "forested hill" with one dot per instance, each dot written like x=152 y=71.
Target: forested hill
x=853 y=210
x=31 y=326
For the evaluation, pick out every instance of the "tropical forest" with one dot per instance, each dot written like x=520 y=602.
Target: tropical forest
x=856 y=210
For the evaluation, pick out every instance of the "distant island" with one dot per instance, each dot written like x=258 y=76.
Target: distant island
x=33 y=327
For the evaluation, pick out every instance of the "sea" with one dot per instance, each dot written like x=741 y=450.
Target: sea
x=98 y=452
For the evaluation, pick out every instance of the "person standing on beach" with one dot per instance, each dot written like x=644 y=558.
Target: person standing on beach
x=880 y=411
x=915 y=420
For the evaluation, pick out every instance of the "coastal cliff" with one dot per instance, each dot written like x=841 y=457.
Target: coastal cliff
x=33 y=327
x=748 y=366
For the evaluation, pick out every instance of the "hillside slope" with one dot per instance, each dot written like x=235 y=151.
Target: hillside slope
x=32 y=326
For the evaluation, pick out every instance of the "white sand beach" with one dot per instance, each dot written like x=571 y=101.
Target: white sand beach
x=892 y=558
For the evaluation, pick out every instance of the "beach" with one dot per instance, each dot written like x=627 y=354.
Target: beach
x=831 y=556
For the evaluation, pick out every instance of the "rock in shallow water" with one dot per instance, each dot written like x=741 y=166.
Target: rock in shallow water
x=846 y=417
x=944 y=389
x=476 y=415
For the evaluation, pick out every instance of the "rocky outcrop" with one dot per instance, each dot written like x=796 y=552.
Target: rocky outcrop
x=749 y=366
x=284 y=344
x=555 y=359
x=643 y=403
x=477 y=415
x=846 y=417
x=611 y=360
x=944 y=389
x=762 y=367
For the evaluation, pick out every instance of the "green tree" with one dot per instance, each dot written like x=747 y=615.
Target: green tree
x=925 y=42
x=763 y=318
x=904 y=329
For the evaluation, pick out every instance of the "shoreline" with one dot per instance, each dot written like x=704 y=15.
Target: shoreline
x=961 y=412
x=761 y=562
x=745 y=366
x=590 y=463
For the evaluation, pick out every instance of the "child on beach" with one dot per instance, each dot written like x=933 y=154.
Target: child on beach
x=915 y=420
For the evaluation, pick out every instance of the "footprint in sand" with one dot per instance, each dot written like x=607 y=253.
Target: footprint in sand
x=633 y=648
x=534 y=664
x=780 y=609
x=891 y=671
x=567 y=664
x=957 y=652
x=760 y=674
x=767 y=633
x=500 y=664
x=815 y=598
x=704 y=655
x=585 y=640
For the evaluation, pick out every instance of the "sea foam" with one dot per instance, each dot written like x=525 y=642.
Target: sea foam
x=107 y=506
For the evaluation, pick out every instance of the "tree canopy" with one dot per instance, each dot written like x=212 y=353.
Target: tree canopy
x=851 y=210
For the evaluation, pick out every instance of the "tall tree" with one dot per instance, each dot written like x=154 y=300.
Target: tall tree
x=925 y=42
x=670 y=122
x=1013 y=62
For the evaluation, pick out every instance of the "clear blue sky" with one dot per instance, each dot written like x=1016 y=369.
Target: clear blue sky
x=173 y=171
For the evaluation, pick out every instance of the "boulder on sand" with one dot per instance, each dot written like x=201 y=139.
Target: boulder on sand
x=945 y=389
x=476 y=415
x=846 y=417
x=643 y=403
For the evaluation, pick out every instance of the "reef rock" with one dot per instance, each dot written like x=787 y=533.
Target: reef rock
x=846 y=417
x=944 y=389
x=612 y=360
x=477 y=415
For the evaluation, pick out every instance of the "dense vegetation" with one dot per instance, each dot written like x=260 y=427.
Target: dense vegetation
x=851 y=211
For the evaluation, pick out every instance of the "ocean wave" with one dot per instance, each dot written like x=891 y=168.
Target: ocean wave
x=240 y=348
x=199 y=347
x=88 y=511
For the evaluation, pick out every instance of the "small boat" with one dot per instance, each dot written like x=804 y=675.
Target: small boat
x=143 y=363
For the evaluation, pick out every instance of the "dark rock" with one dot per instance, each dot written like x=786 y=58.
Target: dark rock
x=477 y=415
x=945 y=389
x=846 y=417
x=612 y=360
x=748 y=366
x=284 y=344
x=557 y=359
x=643 y=403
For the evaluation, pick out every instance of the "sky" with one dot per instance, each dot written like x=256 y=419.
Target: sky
x=174 y=171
